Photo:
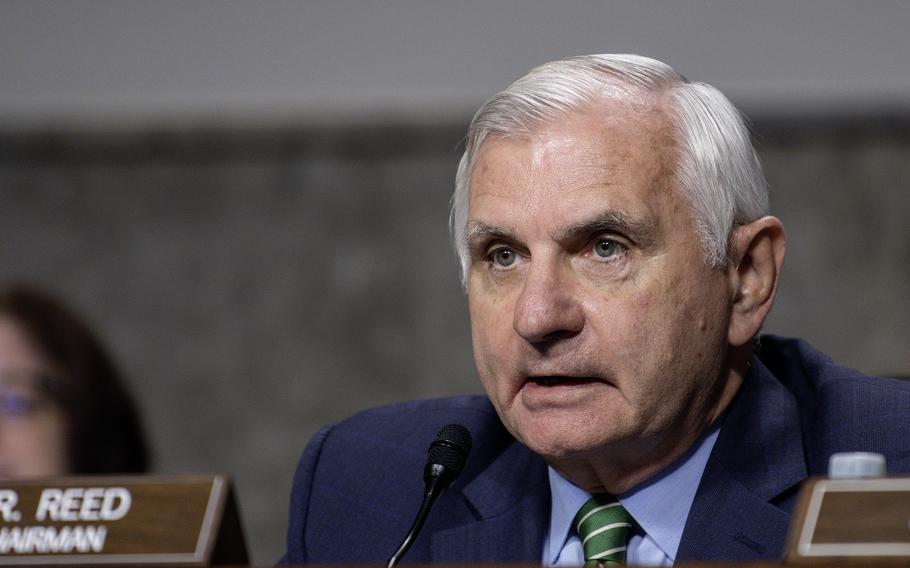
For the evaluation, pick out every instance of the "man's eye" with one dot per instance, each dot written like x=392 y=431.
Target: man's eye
x=607 y=248
x=503 y=257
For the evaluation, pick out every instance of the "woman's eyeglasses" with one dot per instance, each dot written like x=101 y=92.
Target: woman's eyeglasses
x=22 y=393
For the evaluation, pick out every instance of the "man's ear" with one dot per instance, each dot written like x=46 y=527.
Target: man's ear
x=756 y=258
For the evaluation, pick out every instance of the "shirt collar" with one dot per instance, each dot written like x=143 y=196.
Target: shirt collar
x=660 y=505
x=566 y=499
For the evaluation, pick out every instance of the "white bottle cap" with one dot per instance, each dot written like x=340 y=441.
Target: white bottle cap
x=847 y=465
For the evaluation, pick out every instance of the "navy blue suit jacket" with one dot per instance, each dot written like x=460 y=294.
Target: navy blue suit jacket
x=359 y=482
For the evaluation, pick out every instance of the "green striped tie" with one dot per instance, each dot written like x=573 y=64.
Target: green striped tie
x=603 y=525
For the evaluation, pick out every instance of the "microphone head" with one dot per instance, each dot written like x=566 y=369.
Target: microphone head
x=448 y=453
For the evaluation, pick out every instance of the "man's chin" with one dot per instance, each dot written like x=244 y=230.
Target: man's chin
x=564 y=451
x=562 y=438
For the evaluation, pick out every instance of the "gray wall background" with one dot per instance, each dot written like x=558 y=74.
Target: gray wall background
x=250 y=201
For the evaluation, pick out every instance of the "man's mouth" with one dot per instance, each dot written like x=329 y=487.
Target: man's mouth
x=562 y=381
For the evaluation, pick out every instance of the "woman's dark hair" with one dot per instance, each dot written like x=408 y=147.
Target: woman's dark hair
x=104 y=431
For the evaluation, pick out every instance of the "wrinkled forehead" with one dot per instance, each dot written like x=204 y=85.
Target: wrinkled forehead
x=608 y=140
x=577 y=174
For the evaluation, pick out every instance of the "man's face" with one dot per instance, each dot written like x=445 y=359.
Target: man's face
x=597 y=324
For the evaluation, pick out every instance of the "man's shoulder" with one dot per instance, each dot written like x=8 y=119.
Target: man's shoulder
x=402 y=429
x=842 y=409
x=374 y=460
x=813 y=375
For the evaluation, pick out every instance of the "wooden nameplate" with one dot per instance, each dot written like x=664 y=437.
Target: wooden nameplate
x=147 y=520
x=851 y=521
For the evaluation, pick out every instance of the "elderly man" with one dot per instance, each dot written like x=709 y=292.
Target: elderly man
x=611 y=221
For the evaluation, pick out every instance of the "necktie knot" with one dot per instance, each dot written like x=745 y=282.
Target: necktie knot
x=603 y=526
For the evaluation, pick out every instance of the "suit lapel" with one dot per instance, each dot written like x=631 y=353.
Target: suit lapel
x=741 y=509
x=511 y=504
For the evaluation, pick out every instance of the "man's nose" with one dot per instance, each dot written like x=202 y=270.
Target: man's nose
x=548 y=308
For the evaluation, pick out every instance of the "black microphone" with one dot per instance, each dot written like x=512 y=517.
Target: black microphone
x=445 y=460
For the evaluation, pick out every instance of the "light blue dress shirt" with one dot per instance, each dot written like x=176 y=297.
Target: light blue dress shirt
x=660 y=507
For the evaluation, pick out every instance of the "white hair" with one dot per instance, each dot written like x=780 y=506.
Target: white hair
x=718 y=171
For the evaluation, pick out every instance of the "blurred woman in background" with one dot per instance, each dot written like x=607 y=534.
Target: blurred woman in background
x=64 y=409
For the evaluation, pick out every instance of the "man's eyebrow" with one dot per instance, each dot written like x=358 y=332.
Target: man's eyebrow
x=641 y=231
x=481 y=231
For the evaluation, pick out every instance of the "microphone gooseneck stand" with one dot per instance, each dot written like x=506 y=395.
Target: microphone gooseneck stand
x=447 y=456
